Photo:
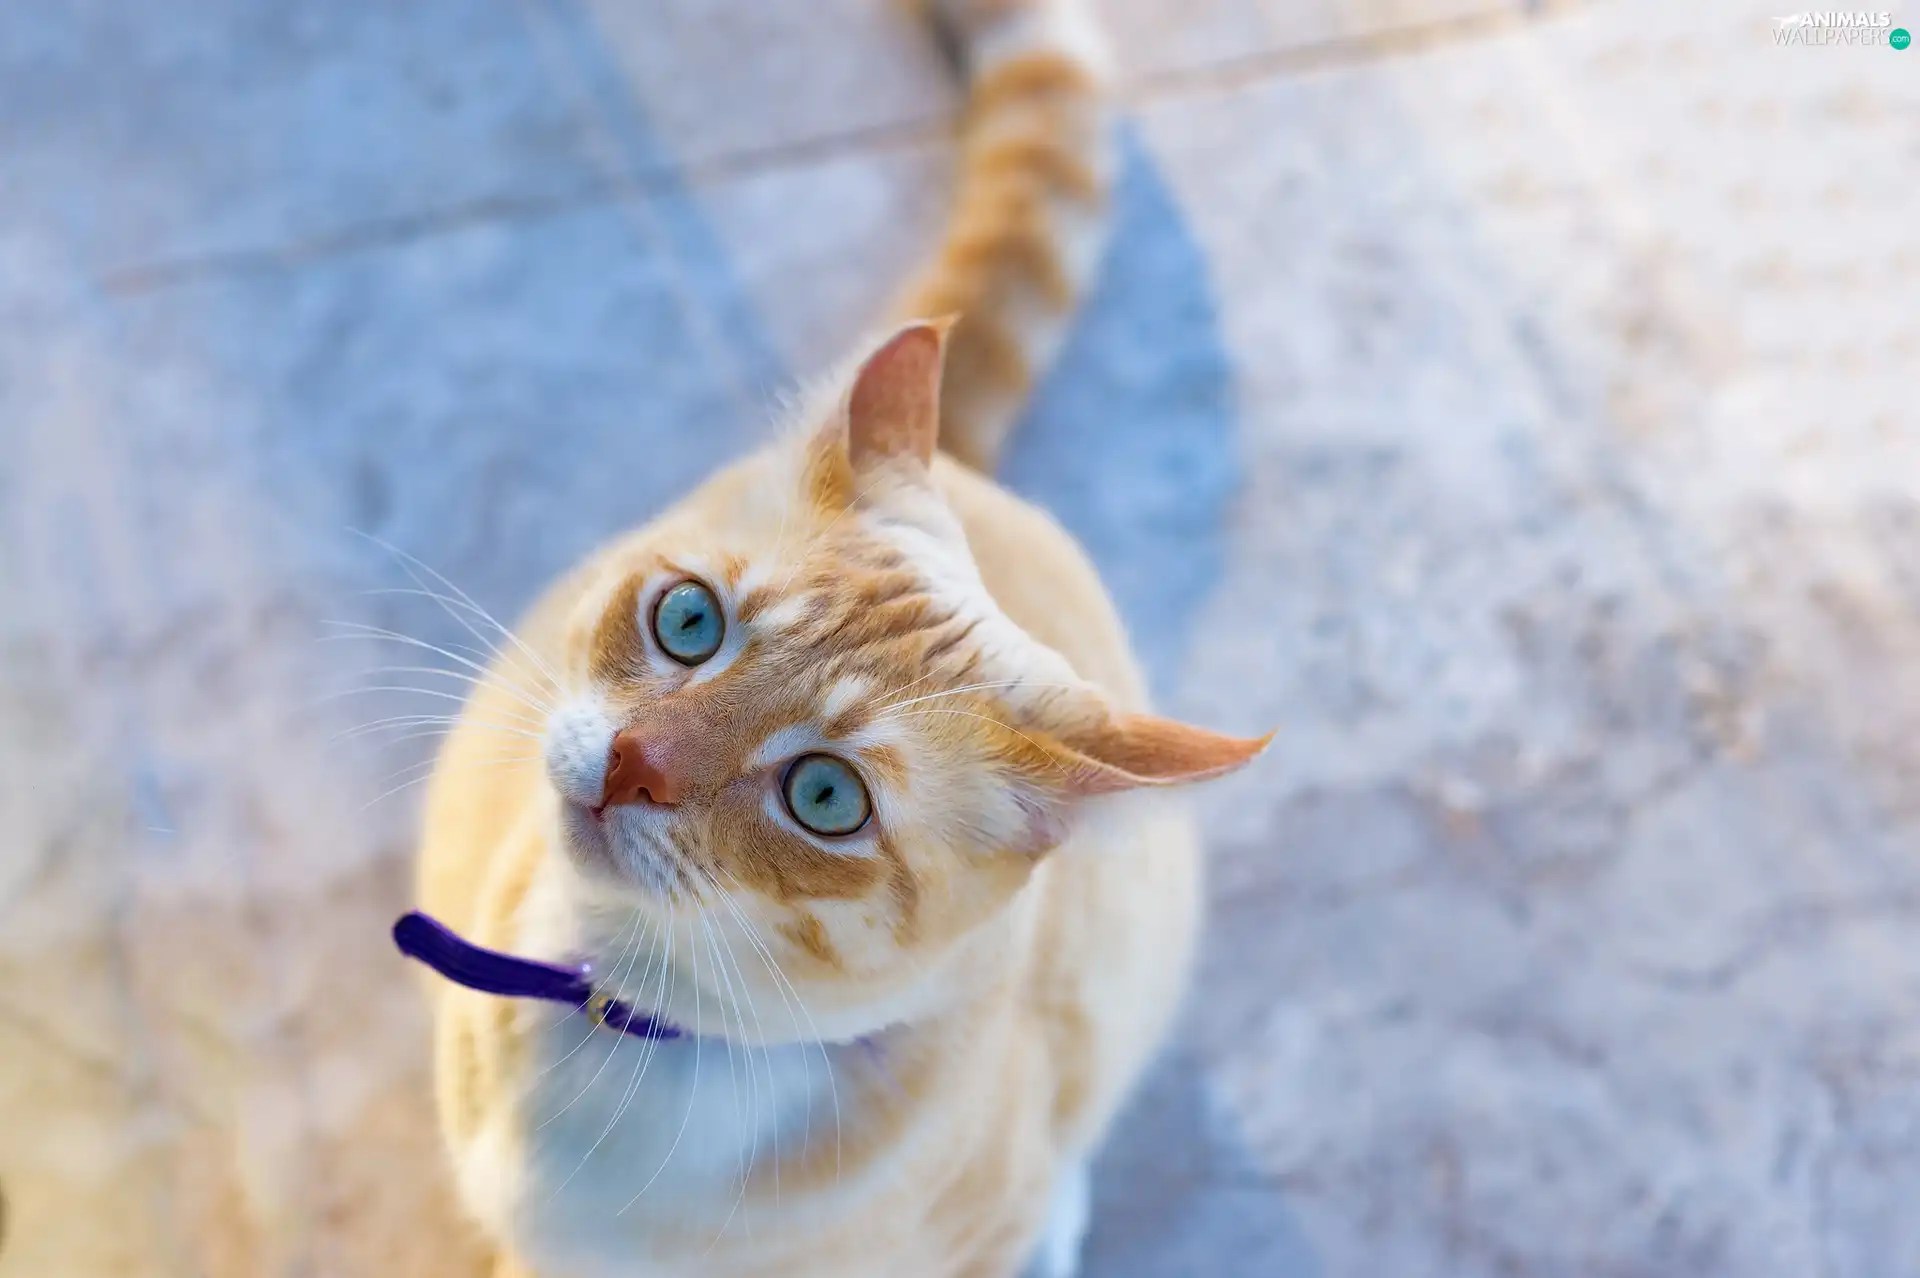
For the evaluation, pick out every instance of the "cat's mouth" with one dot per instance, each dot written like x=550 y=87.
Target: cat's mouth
x=608 y=842
x=587 y=830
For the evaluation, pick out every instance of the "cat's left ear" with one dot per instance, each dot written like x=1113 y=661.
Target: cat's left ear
x=1133 y=751
x=893 y=408
x=1108 y=753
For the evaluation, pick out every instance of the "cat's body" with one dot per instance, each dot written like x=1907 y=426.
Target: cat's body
x=1078 y=976
x=915 y=982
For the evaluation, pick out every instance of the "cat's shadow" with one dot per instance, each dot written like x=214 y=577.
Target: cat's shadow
x=1174 y=1196
x=1131 y=444
x=1130 y=440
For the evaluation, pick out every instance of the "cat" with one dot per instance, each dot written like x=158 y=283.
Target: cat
x=846 y=774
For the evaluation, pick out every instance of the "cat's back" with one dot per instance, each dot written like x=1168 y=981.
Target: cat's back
x=1118 y=909
x=1043 y=580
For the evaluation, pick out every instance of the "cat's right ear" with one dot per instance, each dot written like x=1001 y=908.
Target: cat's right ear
x=888 y=421
x=893 y=406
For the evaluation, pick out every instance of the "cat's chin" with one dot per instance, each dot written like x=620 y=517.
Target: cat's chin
x=589 y=843
x=612 y=857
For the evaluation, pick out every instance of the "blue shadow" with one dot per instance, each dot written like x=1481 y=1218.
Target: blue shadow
x=1130 y=441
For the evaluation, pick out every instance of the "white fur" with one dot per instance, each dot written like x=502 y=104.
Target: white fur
x=627 y=1136
x=786 y=743
x=579 y=736
x=1065 y=26
x=618 y=1142
x=847 y=692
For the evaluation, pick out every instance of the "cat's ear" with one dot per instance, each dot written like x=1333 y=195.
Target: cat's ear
x=1133 y=751
x=893 y=408
x=1098 y=752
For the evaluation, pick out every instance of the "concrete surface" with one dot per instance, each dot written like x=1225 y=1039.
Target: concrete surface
x=1512 y=402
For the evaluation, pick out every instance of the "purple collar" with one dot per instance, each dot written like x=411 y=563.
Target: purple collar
x=423 y=937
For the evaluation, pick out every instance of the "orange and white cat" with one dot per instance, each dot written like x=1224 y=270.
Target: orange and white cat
x=846 y=773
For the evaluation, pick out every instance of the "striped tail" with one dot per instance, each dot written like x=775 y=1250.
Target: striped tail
x=1036 y=165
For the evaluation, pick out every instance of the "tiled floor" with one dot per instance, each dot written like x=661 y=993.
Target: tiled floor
x=1513 y=402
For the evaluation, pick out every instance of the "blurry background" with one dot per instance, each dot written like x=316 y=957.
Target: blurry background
x=1513 y=402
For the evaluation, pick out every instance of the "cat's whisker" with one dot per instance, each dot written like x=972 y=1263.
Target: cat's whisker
x=345 y=631
x=436 y=694
x=891 y=703
x=784 y=987
x=392 y=721
x=911 y=684
x=418 y=734
x=342 y=629
x=490 y=652
x=766 y=1058
x=733 y=1078
x=631 y=944
x=440 y=723
x=426 y=764
x=795 y=1008
x=742 y=999
x=513 y=730
x=613 y=1049
x=726 y=899
x=1000 y=723
x=743 y=1159
x=766 y=1054
x=693 y=1093
x=885 y=710
x=338 y=631
x=463 y=597
x=388 y=794
x=488 y=680
x=646 y=1054
x=396 y=729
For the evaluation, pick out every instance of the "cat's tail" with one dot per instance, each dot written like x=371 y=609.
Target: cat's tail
x=1036 y=165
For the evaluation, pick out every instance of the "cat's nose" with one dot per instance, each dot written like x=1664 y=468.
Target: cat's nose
x=633 y=778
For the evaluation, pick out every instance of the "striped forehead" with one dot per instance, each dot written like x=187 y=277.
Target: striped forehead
x=821 y=636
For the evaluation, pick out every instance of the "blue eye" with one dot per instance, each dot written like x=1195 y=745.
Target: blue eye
x=825 y=796
x=687 y=623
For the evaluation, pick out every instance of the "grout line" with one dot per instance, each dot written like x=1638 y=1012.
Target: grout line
x=1227 y=74
x=1224 y=75
x=127 y=281
x=381 y=232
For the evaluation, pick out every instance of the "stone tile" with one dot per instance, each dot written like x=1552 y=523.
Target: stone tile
x=737 y=76
x=824 y=246
x=198 y=842
x=1153 y=40
x=222 y=129
x=235 y=138
x=1149 y=37
x=1574 y=880
x=1520 y=426
x=148 y=135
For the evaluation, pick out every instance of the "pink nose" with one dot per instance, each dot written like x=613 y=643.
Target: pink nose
x=633 y=778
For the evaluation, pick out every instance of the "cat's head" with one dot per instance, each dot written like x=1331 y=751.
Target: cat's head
x=796 y=709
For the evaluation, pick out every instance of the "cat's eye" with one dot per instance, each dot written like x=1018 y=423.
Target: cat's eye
x=824 y=795
x=687 y=623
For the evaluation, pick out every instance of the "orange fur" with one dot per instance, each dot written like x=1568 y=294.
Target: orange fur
x=1036 y=163
x=967 y=983
x=1010 y=950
